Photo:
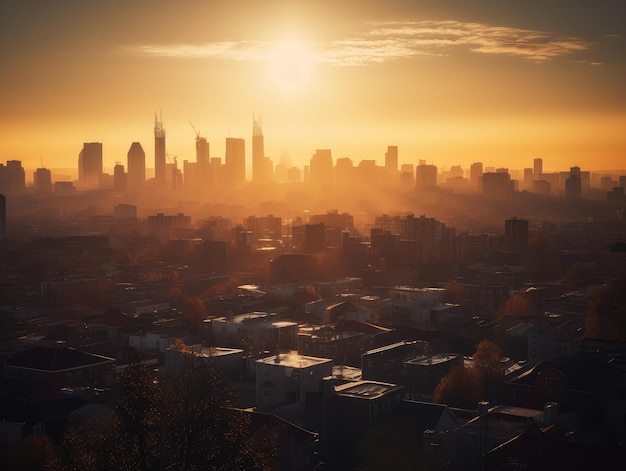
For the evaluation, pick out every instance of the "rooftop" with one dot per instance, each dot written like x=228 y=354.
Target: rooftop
x=435 y=359
x=293 y=360
x=365 y=389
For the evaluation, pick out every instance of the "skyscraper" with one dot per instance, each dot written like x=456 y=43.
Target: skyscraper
x=391 y=160
x=160 y=174
x=537 y=168
x=42 y=179
x=321 y=167
x=425 y=177
x=90 y=163
x=235 y=161
x=119 y=177
x=136 y=165
x=261 y=165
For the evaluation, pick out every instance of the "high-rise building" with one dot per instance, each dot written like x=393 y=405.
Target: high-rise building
x=136 y=165
x=261 y=165
x=3 y=217
x=321 y=167
x=203 y=162
x=160 y=172
x=391 y=160
x=12 y=177
x=538 y=168
x=119 y=178
x=90 y=163
x=516 y=234
x=235 y=161
x=42 y=179
x=425 y=177
x=573 y=184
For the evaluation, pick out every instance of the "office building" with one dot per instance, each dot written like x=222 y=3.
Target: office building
x=90 y=163
x=261 y=165
x=425 y=177
x=391 y=160
x=42 y=179
x=136 y=165
x=538 y=168
x=321 y=167
x=119 y=178
x=12 y=177
x=160 y=172
x=235 y=161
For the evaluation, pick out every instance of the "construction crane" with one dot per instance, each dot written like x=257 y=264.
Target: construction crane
x=195 y=130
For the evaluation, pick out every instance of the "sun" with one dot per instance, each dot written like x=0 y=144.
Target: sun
x=290 y=65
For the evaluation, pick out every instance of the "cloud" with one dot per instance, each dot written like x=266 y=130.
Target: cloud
x=383 y=42
x=398 y=40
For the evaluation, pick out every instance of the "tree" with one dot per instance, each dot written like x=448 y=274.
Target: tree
x=606 y=316
x=488 y=358
x=461 y=387
x=455 y=292
x=184 y=422
x=195 y=311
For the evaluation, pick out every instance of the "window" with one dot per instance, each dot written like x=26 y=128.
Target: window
x=267 y=392
x=519 y=393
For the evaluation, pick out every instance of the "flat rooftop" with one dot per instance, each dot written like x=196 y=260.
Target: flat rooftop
x=365 y=389
x=293 y=360
x=436 y=359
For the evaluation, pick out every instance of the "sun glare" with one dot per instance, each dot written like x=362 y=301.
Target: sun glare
x=290 y=66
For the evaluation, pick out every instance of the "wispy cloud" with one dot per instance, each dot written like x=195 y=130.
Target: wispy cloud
x=390 y=41
x=397 y=40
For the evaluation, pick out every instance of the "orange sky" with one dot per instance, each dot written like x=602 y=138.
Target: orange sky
x=448 y=82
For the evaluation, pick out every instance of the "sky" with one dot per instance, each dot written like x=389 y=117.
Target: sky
x=450 y=82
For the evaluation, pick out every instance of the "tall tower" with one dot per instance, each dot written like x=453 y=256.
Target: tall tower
x=538 y=168
x=90 y=163
x=258 y=149
x=321 y=167
x=235 y=161
x=136 y=165
x=159 y=151
x=391 y=160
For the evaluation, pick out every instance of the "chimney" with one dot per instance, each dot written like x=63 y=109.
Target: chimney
x=550 y=413
x=483 y=407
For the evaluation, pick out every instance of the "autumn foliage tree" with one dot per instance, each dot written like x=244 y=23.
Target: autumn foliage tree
x=461 y=387
x=184 y=422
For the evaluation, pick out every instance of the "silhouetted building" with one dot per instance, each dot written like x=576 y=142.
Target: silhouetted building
x=12 y=177
x=64 y=188
x=125 y=211
x=538 y=168
x=542 y=187
x=136 y=167
x=3 y=217
x=391 y=160
x=42 y=179
x=573 y=184
x=425 y=177
x=235 y=161
x=321 y=167
x=119 y=178
x=160 y=174
x=497 y=185
x=261 y=165
x=314 y=238
x=476 y=174
x=90 y=163
x=516 y=234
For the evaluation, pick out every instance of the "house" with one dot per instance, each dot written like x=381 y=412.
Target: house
x=41 y=372
x=344 y=341
x=257 y=331
x=287 y=378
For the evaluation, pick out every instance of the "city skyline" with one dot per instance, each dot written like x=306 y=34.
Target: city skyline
x=448 y=83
